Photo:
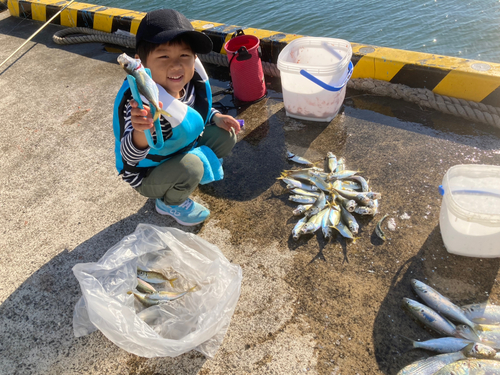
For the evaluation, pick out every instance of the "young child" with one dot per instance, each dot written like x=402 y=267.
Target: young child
x=196 y=137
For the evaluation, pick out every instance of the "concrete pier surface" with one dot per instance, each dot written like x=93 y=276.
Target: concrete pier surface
x=306 y=306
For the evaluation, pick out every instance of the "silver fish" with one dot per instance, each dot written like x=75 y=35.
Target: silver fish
x=297 y=229
x=330 y=162
x=145 y=287
x=302 y=199
x=298 y=184
x=298 y=191
x=344 y=230
x=441 y=345
x=441 y=304
x=340 y=165
x=338 y=184
x=341 y=175
x=358 y=197
x=318 y=205
x=151 y=299
x=349 y=205
x=314 y=222
x=471 y=367
x=301 y=208
x=298 y=174
x=373 y=195
x=335 y=216
x=378 y=229
x=361 y=181
x=487 y=334
x=325 y=224
x=321 y=174
x=430 y=318
x=145 y=84
x=363 y=210
x=478 y=350
x=153 y=277
x=350 y=220
x=349 y=185
x=430 y=365
x=484 y=313
x=297 y=159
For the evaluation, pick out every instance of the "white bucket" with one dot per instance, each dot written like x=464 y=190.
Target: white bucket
x=314 y=73
x=470 y=211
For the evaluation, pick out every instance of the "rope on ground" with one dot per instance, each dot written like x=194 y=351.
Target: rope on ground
x=467 y=109
x=86 y=35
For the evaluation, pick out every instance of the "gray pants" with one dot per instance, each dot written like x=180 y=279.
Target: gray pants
x=175 y=179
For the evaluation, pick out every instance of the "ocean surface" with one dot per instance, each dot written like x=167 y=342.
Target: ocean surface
x=461 y=28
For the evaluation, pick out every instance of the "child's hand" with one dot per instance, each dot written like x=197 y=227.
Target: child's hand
x=226 y=122
x=141 y=118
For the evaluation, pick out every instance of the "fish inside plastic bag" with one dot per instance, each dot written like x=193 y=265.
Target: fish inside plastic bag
x=198 y=320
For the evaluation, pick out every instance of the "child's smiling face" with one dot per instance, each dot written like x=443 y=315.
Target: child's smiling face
x=172 y=66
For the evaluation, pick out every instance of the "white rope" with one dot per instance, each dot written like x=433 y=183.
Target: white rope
x=86 y=35
x=467 y=109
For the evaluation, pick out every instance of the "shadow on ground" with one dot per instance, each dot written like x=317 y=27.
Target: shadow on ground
x=37 y=329
x=463 y=280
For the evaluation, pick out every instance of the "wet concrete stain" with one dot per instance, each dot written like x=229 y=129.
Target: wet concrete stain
x=350 y=294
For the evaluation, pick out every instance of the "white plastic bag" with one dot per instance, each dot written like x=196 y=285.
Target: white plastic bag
x=198 y=320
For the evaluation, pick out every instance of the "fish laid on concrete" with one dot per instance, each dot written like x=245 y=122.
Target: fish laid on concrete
x=441 y=345
x=330 y=162
x=297 y=229
x=441 y=304
x=347 y=193
x=301 y=209
x=429 y=317
x=145 y=84
x=487 y=334
x=305 y=199
x=431 y=365
x=298 y=184
x=471 y=367
x=297 y=159
x=484 y=313
x=378 y=228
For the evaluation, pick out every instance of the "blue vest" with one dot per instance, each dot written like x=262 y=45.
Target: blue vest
x=187 y=123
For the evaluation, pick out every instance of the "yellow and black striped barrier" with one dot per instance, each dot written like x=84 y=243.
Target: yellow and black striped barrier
x=454 y=77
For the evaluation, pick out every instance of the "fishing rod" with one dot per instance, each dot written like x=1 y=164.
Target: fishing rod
x=40 y=29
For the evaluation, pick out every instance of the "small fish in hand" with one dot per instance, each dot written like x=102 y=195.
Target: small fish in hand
x=145 y=84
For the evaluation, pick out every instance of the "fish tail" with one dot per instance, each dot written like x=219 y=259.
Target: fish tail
x=413 y=343
x=171 y=281
x=193 y=288
x=476 y=328
x=164 y=113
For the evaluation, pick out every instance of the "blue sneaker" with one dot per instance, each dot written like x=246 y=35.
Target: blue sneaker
x=188 y=213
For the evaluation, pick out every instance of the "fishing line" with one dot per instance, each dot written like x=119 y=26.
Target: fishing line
x=40 y=29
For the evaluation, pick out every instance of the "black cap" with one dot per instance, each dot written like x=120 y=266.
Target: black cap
x=163 y=25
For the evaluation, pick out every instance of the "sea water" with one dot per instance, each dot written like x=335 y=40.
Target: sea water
x=461 y=28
